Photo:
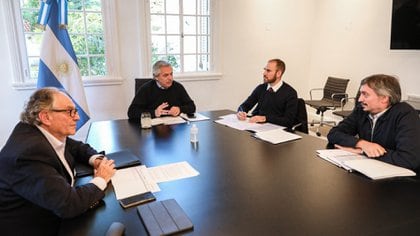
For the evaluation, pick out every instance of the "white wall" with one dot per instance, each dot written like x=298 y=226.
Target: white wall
x=316 y=38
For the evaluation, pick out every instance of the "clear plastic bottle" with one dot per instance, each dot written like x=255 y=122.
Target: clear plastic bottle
x=194 y=133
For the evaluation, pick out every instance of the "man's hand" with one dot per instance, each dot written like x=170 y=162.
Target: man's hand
x=174 y=111
x=160 y=110
x=241 y=115
x=371 y=149
x=106 y=169
x=349 y=149
x=258 y=119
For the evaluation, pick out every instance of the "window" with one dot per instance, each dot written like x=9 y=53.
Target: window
x=180 y=32
x=87 y=20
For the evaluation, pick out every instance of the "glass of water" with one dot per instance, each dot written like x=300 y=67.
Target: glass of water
x=146 y=120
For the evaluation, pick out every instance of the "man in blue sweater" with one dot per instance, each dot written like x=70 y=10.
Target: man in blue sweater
x=162 y=96
x=276 y=100
x=381 y=126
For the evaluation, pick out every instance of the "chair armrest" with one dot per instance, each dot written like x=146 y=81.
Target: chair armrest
x=344 y=100
x=339 y=94
x=315 y=89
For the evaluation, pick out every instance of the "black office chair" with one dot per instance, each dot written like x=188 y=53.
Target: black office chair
x=333 y=91
x=302 y=118
x=139 y=82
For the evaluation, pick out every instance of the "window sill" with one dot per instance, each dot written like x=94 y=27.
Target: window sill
x=184 y=77
x=88 y=82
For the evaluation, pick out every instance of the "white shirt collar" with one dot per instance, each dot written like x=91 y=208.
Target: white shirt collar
x=275 y=87
x=59 y=148
x=57 y=144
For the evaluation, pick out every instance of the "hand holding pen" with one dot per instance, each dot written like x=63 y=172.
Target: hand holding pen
x=241 y=114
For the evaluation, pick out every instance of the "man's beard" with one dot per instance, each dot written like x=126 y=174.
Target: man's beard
x=269 y=80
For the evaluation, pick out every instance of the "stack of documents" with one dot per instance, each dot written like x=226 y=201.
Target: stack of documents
x=265 y=131
x=140 y=179
x=372 y=168
x=232 y=121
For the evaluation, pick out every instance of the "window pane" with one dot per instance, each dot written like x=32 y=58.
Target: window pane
x=158 y=44
x=203 y=44
x=30 y=18
x=190 y=44
x=173 y=24
x=189 y=7
x=29 y=4
x=182 y=35
x=190 y=25
x=75 y=5
x=157 y=24
x=97 y=65
x=203 y=7
x=175 y=61
x=204 y=25
x=203 y=63
x=172 y=6
x=174 y=43
x=189 y=63
x=96 y=44
x=83 y=65
x=94 y=23
x=156 y=6
x=79 y=44
x=92 y=5
x=33 y=66
x=33 y=44
x=76 y=22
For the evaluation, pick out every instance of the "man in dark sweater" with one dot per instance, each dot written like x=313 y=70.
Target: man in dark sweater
x=276 y=100
x=162 y=96
x=381 y=126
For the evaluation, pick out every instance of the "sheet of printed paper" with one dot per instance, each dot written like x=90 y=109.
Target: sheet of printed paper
x=173 y=171
x=132 y=181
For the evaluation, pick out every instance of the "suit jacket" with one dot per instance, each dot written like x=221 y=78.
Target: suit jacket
x=35 y=189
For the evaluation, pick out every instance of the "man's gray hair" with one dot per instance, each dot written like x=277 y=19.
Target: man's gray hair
x=40 y=100
x=157 y=66
x=384 y=85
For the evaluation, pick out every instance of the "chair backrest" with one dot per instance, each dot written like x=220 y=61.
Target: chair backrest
x=139 y=82
x=334 y=86
x=302 y=117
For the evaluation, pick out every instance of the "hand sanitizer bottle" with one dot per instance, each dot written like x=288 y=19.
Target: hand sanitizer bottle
x=194 y=134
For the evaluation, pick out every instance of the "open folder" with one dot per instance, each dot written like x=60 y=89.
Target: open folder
x=372 y=168
x=122 y=159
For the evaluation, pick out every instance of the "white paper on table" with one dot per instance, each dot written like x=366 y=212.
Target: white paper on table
x=198 y=117
x=173 y=171
x=232 y=121
x=132 y=181
x=167 y=120
x=276 y=136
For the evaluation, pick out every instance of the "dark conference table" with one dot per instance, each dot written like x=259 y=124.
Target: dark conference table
x=250 y=187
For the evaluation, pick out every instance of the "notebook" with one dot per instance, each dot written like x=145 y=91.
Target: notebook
x=122 y=159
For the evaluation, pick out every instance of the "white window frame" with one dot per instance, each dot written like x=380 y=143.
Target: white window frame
x=16 y=42
x=215 y=59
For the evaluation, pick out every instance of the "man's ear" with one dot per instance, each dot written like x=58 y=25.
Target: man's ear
x=44 y=118
x=385 y=100
x=279 y=73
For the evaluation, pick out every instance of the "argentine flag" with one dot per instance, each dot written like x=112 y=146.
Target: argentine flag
x=58 y=63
